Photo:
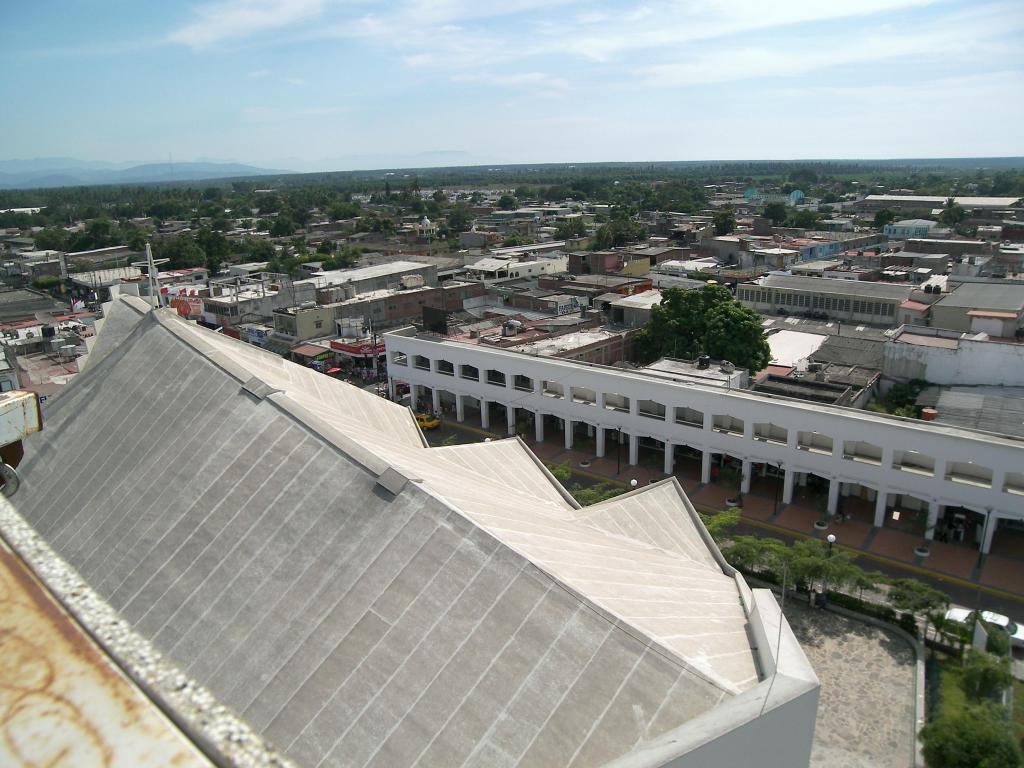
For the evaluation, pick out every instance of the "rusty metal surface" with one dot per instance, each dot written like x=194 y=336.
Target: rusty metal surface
x=20 y=415
x=62 y=703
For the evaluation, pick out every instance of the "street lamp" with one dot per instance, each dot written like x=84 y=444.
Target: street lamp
x=632 y=483
x=831 y=539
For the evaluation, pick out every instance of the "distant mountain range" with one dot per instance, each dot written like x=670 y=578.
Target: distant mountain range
x=69 y=172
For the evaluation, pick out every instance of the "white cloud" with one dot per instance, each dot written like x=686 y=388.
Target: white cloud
x=534 y=81
x=259 y=73
x=969 y=37
x=233 y=19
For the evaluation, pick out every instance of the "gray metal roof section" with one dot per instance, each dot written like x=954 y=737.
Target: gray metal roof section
x=1008 y=298
x=118 y=321
x=994 y=409
x=889 y=291
x=435 y=622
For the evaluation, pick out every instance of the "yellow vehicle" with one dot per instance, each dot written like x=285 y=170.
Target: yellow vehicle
x=427 y=421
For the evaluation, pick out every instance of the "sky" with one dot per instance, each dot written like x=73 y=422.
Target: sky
x=310 y=85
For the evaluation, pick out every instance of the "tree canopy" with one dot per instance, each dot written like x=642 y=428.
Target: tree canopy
x=724 y=221
x=707 y=321
x=978 y=737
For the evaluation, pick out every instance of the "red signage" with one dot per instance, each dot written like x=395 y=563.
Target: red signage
x=188 y=306
x=357 y=350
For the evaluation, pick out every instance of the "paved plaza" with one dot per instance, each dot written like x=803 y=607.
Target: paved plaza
x=866 y=711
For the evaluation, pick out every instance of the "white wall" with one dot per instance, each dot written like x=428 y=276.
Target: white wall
x=978 y=363
x=945 y=444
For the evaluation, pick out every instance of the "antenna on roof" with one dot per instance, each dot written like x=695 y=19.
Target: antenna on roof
x=153 y=273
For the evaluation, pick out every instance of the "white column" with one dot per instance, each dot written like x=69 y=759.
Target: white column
x=705 y=467
x=933 y=519
x=670 y=451
x=600 y=442
x=634 y=450
x=435 y=399
x=460 y=408
x=391 y=388
x=990 y=529
x=590 y=430
x=415 y=392
x=510 y=419
x=568 y=434
x=788 y=476
x=833 y=495
x=745 y=476
x=485 y=414
x=881 y=503
x=538 y=427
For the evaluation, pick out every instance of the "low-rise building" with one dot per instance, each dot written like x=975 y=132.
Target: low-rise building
x=882 y=459
x=856 y=301
x=995 y=309
x=901 y=230
x=953 y=358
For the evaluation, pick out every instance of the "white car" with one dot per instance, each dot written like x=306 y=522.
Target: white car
x=966 y=617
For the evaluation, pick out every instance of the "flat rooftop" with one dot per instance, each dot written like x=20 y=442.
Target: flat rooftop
x=1008 y=298
x=790 y=347
x=689 y=372
x=566 y=342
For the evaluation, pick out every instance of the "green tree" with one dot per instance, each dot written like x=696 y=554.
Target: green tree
x=47 y=283
x=803 y=219
x=560 y=472
x=507 y=203
x=724 y=221
x=720 y=524
x=883 y=217
x=622 y=229
x=704 y=321
x=977 y=737
x=182 y=251
x=953 y=214
x=283 y=226
x=985 y=675
x=513 y=238
x=918 y=598
x=51 y=239
x=215 y=246
x=777 y=212
x=460 y=218
x=570 y=228
x=595 y=494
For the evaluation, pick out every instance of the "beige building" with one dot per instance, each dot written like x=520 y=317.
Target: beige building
x=845 y=300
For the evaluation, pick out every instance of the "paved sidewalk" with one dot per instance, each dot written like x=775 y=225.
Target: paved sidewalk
x=866 y=711
x=958 y=569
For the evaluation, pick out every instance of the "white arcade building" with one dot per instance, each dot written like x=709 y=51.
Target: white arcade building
x=884 y=459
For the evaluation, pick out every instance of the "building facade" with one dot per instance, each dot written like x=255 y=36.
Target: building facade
x=892 y=461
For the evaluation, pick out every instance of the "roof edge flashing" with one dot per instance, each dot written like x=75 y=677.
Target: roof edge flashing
x=330 y=434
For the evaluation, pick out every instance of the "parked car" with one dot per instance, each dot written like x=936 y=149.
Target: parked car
x=966 y=618
x=427 y=421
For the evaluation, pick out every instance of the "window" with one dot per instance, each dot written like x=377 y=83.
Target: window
x=522 y=383
x=318 y=324
x=651 y=409
x=689 y=417
x=616 y=402
x=553 y=389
